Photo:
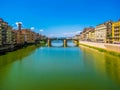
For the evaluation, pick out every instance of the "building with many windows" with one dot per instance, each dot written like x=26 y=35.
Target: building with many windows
x=19 y=35
x=0 y=38
x=3 y=29
x=116 y=32
x=5 y=33
x=29 y=36
x=87 y=34
x=91 y=34
x=100 y=33
x=109 y=31
x=9 y=35
x=14 y=37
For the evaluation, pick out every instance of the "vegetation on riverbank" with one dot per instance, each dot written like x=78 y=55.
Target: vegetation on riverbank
x=102 y=50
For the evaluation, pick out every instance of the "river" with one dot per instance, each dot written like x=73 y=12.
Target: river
x=59 y=68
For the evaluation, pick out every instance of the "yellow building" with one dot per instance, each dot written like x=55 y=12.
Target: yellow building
x=116 y=32
x=91 y=35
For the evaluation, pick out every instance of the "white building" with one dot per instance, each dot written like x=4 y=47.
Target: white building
x=100 y=33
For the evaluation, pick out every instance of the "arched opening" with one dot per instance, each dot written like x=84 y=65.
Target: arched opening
x=57 y=43
x=70 y=43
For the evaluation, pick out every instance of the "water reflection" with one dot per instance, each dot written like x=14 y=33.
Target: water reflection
x=55 y=68
x=16 y=55
x=112 y=67
x=103 y=63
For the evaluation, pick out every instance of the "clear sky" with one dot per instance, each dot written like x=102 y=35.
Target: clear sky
x=59 y=17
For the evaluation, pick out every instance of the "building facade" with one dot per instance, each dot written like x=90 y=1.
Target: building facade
x=100 y=33
x=26 y=36
x=116 y=32
x=9 y=35
x=0 y=38
x=20 y=37
x=14 y=37
x=87 y=34
x=92 y=35
x=29 y=36
x=109 y=31
x=5 y=33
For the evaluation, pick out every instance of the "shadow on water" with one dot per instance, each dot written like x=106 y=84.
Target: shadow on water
x=16 y=55
x=104 y=63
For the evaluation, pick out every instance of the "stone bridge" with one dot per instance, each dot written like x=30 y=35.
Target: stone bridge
x=65 y=40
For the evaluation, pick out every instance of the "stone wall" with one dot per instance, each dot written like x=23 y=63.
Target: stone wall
x=109 y=47
x=113 y=47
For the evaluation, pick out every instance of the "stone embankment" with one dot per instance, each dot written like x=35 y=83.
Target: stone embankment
x=105 y=46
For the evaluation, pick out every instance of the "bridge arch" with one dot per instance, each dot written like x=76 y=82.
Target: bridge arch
x=65 y=41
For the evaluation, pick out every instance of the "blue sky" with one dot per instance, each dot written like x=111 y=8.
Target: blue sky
x=59 y=17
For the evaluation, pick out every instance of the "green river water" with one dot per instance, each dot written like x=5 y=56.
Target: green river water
x=59 y=68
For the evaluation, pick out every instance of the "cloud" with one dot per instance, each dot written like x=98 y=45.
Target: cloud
x=66 y=34
x=78 y=32
x=64 y=31
x=69 y=34
x=41 y=30
x=32 y=28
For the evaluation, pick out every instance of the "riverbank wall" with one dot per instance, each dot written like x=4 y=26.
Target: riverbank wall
x=113 y=49
x=11 y=48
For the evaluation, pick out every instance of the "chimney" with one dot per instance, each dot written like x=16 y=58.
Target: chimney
x=19 y=26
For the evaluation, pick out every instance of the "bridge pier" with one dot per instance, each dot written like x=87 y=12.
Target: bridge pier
x=49 y=43
x=77 y=42
x=65 y=43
